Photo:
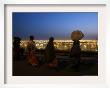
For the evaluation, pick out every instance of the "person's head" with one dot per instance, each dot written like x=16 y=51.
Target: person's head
x=76 y=42
x=17 y=39
x=31 y=37
x=51 y=39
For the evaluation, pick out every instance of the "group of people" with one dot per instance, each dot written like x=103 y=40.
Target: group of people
x=49 y=54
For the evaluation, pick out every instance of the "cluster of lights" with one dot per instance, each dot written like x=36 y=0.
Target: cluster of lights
x=86 y=45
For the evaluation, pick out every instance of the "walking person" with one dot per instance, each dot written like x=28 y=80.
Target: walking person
x=76 y=53
x=31 y=54
x=50 y=54
x=76 y=50
x=16 y=48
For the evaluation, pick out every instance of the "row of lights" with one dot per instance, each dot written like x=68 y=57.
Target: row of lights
x=85 y=45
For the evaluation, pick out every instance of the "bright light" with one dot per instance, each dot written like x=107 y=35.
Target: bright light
x=86 y=45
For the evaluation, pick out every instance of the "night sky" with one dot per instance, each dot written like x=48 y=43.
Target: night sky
x=57 y=24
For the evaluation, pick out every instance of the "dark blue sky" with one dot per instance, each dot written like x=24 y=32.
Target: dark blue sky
x=57 y=24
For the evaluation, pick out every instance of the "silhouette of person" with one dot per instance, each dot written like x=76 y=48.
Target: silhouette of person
x=31 y=56
x=16 y=48
x=50 y=54
x=76 y=53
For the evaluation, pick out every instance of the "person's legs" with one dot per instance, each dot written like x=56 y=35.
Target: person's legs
x=77 y=66
x=53 y=63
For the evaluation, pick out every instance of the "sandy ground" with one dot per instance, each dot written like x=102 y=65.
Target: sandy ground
x=88 y=67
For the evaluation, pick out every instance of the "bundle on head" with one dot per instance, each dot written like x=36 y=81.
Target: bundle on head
x=77 y=35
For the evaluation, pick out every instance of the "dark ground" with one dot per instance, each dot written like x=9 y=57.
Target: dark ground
x=88 y=67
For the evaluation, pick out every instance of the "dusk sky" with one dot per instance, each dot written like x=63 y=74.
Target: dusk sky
x=57 y=24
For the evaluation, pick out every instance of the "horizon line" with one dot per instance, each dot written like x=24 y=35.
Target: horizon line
x=61 y=39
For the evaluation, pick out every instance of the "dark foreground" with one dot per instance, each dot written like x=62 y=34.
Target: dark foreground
x=88 y=67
